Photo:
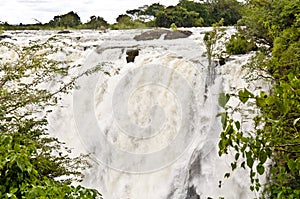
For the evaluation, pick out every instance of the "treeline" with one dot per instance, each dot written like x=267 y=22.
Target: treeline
x=186 y=13
x=69 y=20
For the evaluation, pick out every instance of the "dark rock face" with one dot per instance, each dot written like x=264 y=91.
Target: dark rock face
x=186 y=32
x=151 y=35
x=158 y=33
x=64 y=32
x=177 y=34
x=192 y=194
x=194 y=172
x=5 y=37
x=222 y=61
x=131 y=54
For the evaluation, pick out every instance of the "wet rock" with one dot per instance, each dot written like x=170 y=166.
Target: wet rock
x=186 y=32
x=131 y=54
x=222 y=61
x=194 y=173
x=151 y=35
x=64 y=32
x=192 y=194
x=5 y=37
x=158 y=33
x=177 y=34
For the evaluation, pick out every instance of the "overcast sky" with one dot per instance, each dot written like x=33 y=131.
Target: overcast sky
x=25 y=11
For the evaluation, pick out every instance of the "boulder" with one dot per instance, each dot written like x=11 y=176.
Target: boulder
x=64 y=32
x=5 y=37
x=151 y=35
x=222 y=61
x=177 y=34
x=131 y=54
x=158 y=33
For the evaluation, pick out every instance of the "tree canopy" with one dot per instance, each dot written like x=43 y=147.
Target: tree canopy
x=95 y=23
x=70 y=19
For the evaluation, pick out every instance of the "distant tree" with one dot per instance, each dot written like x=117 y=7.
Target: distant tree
x=95 y=23
x=146 y=12
x=70 y=19
x=178 y=15
x=200 y=8
x=124 y=21
x=229 y=10
x=135 y=13
x=154 y=9
x=123 y=18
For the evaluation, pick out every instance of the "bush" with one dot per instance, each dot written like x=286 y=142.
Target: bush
x=128 y=25
x=173 y=27
x=31 y=161
x=239 y=45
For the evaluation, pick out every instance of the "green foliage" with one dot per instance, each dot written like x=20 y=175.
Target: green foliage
x=239 y=45
x=275 y=135
x=126 y=22
x=176 y=14
x=146 y=13
x=229 y=10
x=200 y=8
x=186 y=13
x=211 y=39
x=31 y=161
x=173 y=27
x=95 y=23
x=213 y=11
x=154 y=9
x=190 y=13
x=68 y=20
x=123 y=19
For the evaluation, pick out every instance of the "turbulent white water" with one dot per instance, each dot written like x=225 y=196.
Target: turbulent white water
x=151 y=126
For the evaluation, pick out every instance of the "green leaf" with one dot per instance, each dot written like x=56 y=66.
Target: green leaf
x=13 y=190
x=20 y=164
x=244 y=95
x=227 y=175
x=292 y=164
x=282 y=106
x=224 y=117
x=238 y=125
x=260 y=169
x=233 y=166
x=223 y=99
x=262 y=157
x=249 y=159
x=237 y=155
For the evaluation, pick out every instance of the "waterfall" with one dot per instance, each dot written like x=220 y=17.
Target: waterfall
x=151 y=125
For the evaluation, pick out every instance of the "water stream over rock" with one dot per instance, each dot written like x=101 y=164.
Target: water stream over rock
x=151 y=125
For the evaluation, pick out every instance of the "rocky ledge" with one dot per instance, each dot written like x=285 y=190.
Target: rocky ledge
x=162 y=33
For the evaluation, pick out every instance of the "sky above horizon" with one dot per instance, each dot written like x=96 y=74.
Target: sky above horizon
x=26 y=11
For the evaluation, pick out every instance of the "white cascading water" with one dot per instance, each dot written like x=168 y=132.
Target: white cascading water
x=151 y=126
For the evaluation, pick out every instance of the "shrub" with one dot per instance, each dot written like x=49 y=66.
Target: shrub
x=239 y=45
x=31 y=161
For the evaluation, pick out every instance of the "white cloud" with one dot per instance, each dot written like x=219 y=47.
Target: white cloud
x=25 y=11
